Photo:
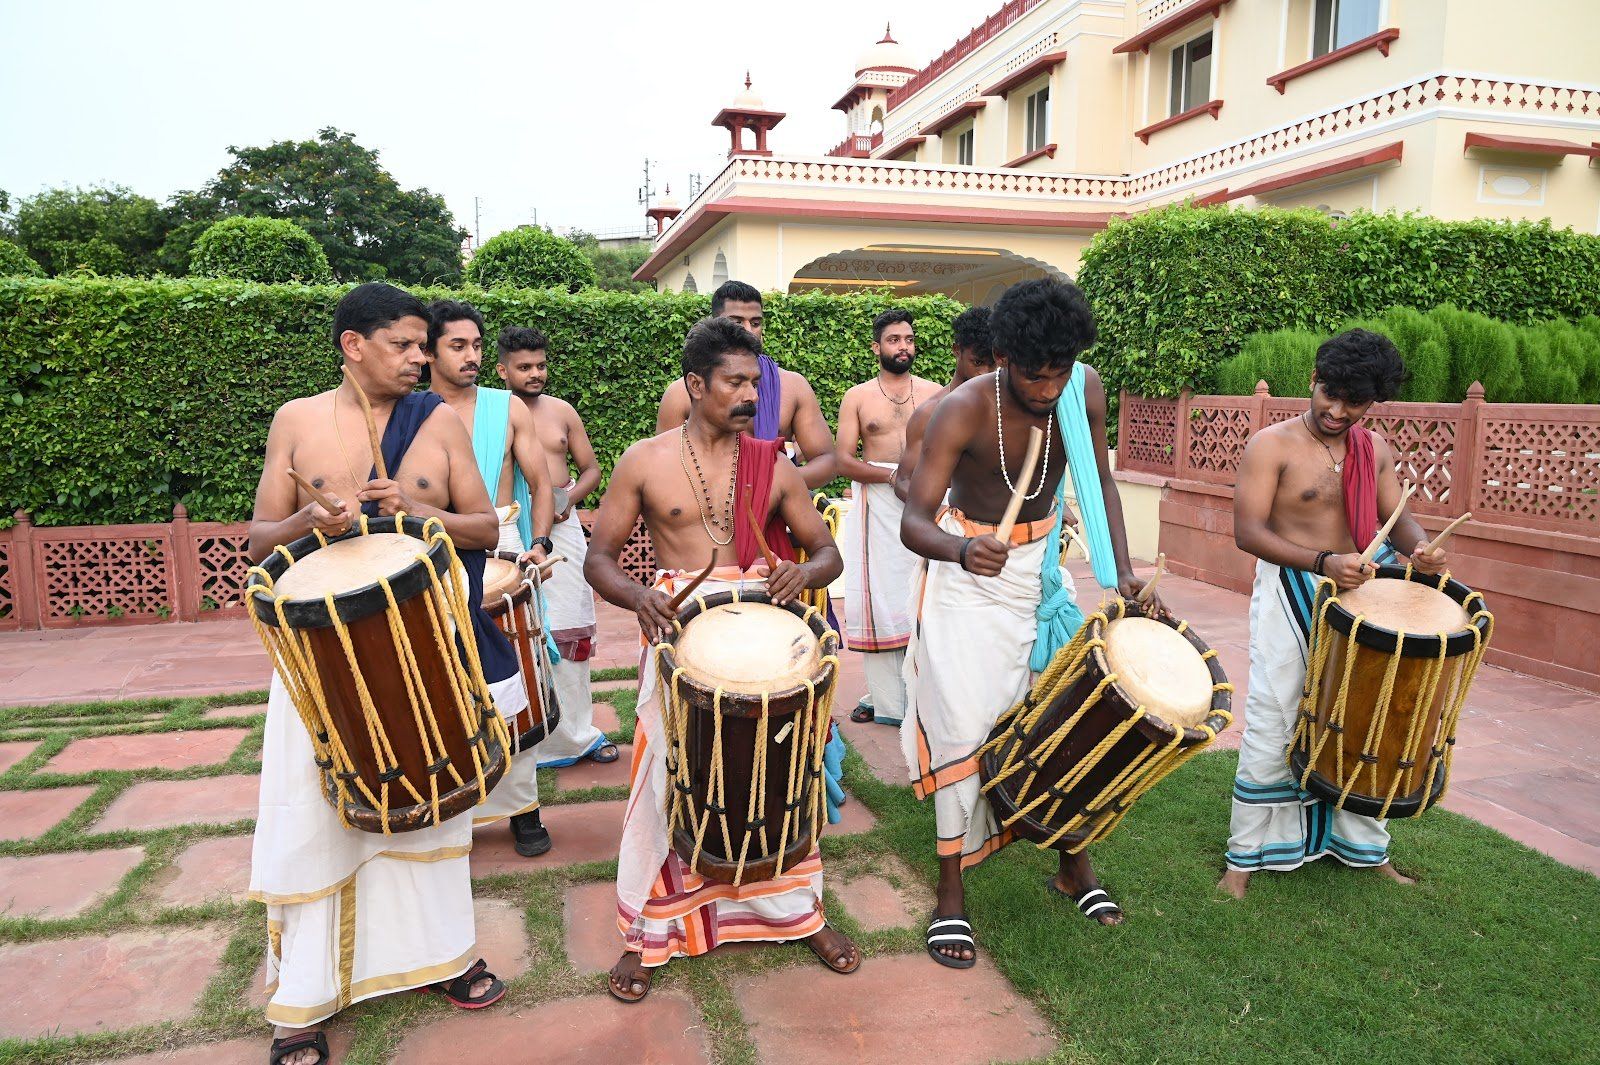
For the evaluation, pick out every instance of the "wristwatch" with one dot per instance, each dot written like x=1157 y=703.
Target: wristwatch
x=542 y=542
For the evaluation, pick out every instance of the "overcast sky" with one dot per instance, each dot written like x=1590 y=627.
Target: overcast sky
x=529 y=106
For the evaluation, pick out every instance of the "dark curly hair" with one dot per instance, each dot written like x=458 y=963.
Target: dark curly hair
x=737 y=292
x=971 y=333
x=1360 y=366
x=888 y=318
x=442 y=312
x=710 y=339
x=1042 y=324
x=520 y=338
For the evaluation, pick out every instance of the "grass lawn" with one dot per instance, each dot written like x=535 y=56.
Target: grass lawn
x=1494 y=956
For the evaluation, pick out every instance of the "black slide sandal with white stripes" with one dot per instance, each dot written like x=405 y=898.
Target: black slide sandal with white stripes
x=1092 y=902
x=951 y=932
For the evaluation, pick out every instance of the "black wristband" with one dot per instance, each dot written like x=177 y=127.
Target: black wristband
x=965 y=545
x=1322 y=558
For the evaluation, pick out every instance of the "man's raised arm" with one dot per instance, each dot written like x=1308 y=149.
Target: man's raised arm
x=276 y=519
x=812 y=435
x=613 y=524
x=674 y=408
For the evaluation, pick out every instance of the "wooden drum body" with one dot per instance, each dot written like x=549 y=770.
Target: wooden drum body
x=1391 y=663
x=1121 y=706
x=508 y=598
x=748 y=688
x=397 y=708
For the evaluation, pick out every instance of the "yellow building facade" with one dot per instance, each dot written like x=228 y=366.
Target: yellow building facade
x=1000 y=159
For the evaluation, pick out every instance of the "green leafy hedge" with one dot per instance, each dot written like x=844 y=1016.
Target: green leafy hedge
x=14 y=262
x=1179 y=290
x=1446 y=349
x=125 y=395
x=270 y=250
x=530 y=257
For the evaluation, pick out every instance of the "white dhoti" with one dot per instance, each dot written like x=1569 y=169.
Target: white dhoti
x=1274 y=824
x=878 y=573
x=572 y=623
x=967 y=665
x=664 y=908
x=510 y=535
x=350 y=914
x=518 y=790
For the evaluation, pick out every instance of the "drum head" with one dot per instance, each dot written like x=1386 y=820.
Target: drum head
x=1159 y=669
x=749 y=648
x=1405 y=606
x=346 y=565
x=501 y=578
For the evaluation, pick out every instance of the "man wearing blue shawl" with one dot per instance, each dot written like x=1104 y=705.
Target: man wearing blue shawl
x=990 y=614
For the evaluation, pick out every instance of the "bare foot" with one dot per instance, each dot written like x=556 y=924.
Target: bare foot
x=835 y=949
x=304 y=1056
x=1234 y=882
x=1388 y=870
x=630 y=978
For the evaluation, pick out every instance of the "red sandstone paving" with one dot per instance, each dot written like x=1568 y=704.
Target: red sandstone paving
x=580 y=832
x=26 y=814
x=158 y=750
x=854 y=818
x=588 y=773
x=207 y=871
x=801 y=1016
x=62 y=885
x=589 y=912
x=874 y=903
x=165 y=803
x=664 y=1029
x=1562 y=799
x=231 y=713
x=605 y=718
x=102 y=984
x=12 y=753
x=233 y=1052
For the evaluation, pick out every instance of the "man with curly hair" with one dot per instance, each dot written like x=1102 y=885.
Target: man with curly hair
x=987 y=610
x=1307 y=503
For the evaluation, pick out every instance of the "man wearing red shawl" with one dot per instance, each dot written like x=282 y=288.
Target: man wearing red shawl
x=690 y=484
x=1306 y=504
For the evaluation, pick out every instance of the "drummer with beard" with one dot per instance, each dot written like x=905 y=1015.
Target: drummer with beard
x=690 y=484
x=1307 y=502
x=350 y=914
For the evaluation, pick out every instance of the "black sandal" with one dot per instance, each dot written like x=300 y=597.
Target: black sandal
x=956 y=930
x=605 y=754
x=863 y=714
x=1091 y=902
x=458 y=992
x=293 y=1044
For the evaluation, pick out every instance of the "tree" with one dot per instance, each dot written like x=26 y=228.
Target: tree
x=613 y=267
x=272 y=250
x=333 y=188
x=110 y=230
x=14 y=262
x=530 y=257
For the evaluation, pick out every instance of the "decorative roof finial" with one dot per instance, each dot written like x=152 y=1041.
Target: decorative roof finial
x=747 y=79
x=888 y=37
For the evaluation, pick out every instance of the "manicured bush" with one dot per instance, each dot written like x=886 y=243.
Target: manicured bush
x=269 y=250
x=14 y=262
x=127 y=395
x=530 y=257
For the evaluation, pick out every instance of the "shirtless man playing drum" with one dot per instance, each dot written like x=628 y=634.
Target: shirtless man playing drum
x=1304 y=487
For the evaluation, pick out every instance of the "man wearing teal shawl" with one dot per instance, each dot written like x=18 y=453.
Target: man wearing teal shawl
x=989 y=614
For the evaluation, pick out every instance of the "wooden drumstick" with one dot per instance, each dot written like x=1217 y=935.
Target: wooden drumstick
x=547 y=565
x=1383 y=533
x=678 y=599
x=1150 y=585
x=315 y=493
x=1013 y=508
x=761 y=541
x=1438 y=541
x=372 y=427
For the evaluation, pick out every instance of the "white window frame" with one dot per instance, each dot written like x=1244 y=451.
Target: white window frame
x=1211 y=87
x=1029 y=109
x=967 y=145
x=1333 y=22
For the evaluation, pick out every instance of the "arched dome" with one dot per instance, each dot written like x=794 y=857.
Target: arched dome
x=887 y=54
x=748 y=100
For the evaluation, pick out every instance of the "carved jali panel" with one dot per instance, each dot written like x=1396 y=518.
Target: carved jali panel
x=222 y=561
x=1424 y=449
x=1217 y=435
x=8 y=588
x=1546 y=472
x=1150 y=434
x=125 y=577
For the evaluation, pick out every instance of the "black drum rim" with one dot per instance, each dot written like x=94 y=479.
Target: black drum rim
x=1412 y=645
x=817 y=623
x=1154 y=726
x=1323 y=789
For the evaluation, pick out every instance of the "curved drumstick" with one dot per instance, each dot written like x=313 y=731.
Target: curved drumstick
x=543 y=568
x=372 y=427
x=1438 y=541
x=1013 y=508
x=678 y=599
x=318 y=494
x=1150 y=585
x=1383 y=533
x=761 y=541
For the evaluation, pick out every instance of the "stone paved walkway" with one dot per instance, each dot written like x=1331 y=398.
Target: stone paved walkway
x=125 y=854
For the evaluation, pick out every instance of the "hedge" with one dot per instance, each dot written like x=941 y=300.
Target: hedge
x=270 y=250
x=1446 y=349
x=14 y=262
x=1179 y=290
x=126 y=395
x=530 y=257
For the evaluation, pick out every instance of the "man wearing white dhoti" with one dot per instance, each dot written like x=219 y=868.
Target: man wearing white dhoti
x=1306 y=504
x=505 y=445
x=351 y=914
x=990 y=613
x=524 y=365
x=685 y=483
x=878 y=567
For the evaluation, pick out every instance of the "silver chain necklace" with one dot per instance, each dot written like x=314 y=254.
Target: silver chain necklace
x=1000 y=434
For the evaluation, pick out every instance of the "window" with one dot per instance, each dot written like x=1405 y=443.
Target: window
x=1191 y=74
x=964 y=142
x=1036 y=121
x=719 y=270
x=1336 y=23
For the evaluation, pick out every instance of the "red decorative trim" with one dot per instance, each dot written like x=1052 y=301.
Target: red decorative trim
x=752 y=118
x=952 y=116
x=1497 y=142
x=1212 y=199
x=897 y=70
x=687 y=232
x=990 y=27
x=1048 y=149
x=1380 y=40
x=1174 y=22
x=1389 y=153
x=1210 y=107
x=904 y=146
x=1026 y=72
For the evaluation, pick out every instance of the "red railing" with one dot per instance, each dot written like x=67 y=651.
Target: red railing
x=984 y=31
x=1529 y=465
x=857 y=146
